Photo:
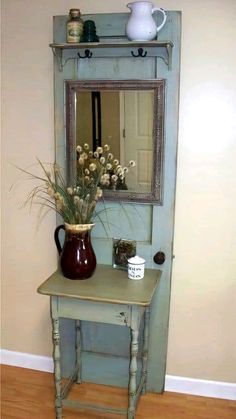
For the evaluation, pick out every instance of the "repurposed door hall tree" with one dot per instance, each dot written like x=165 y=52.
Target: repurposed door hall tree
x=105 y=350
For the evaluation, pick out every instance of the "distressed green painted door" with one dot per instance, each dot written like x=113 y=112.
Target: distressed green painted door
x=105 y=347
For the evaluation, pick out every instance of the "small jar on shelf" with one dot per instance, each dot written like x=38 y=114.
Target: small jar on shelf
x=74 y=26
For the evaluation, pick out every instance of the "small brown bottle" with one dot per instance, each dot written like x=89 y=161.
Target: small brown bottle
x=74 y=26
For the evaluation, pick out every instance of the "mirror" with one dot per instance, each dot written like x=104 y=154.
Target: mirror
x=128 y=115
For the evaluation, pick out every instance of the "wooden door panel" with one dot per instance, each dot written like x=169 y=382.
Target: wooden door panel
x=150 y=225
x=125 y=220
x=138 y=126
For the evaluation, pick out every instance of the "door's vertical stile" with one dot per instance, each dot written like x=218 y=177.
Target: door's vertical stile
x=163 y=216
x=68 y=72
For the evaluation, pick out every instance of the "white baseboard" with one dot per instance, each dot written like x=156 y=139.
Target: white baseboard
x=197 y=387
x=23 y=360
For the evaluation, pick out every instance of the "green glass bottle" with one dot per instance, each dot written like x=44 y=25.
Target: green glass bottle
x=89 y=32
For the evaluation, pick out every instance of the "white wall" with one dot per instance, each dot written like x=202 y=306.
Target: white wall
x=202 y=322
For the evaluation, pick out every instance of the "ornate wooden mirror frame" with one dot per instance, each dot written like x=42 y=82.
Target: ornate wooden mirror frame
x=73 y=87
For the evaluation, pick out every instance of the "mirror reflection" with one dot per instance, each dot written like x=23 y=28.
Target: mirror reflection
x=124 y=120
x=128 y=115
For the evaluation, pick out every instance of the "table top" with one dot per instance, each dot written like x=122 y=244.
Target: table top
x=106 y=285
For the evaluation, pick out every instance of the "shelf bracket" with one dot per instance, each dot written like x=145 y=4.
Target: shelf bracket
x=58 y=55
x=169 y=56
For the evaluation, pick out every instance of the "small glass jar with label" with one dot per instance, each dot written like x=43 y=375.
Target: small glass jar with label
x=74 y=27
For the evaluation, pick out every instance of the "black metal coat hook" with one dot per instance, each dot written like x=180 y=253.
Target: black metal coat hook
x=141 y=53
x=87 y=54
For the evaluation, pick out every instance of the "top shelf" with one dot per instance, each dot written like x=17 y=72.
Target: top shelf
x=111 y=48
x=113 y=44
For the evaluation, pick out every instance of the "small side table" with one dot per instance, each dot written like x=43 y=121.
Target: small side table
x=107 y=297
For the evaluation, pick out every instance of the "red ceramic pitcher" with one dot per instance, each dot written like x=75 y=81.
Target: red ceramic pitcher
x=77 y=257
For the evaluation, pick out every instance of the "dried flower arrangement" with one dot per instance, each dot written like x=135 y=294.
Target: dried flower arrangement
x=77 y=204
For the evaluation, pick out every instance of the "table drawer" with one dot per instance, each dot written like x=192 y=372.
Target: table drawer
x=71 y=308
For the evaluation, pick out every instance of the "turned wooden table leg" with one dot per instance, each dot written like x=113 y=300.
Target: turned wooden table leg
x=145 y=348
x=133 y=373
x=57 y=364
x=78 y=349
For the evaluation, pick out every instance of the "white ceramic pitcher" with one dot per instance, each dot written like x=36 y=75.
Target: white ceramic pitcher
x=141 y=25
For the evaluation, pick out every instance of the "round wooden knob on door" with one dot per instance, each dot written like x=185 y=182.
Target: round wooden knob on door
x=159 y=258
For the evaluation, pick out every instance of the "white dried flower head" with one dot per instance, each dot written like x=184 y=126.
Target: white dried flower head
x=114 y=178
x=119 y=171
x=79 y=149
x=92 y=167
x=86 y=180
x=99 y=150
x=59 y=205
x=108 y=166
x=102 y=160
x=98 y=193
x=132 y=163
x=106 y=147
x=87 y=197
x=126 y=169
x=57 y=196
x=86 y=146
x=103 y=180
x=107 y=183
x=96 y=155
x=86 y=171
x=110 y=156
x=59 y=200
x=56 y=168
x=117 y=168
x=50 y=192
x=81 y=161
x=84 y=155
x=76 y=200
x=70 y=190
x=90 y=154
x=115 y=162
